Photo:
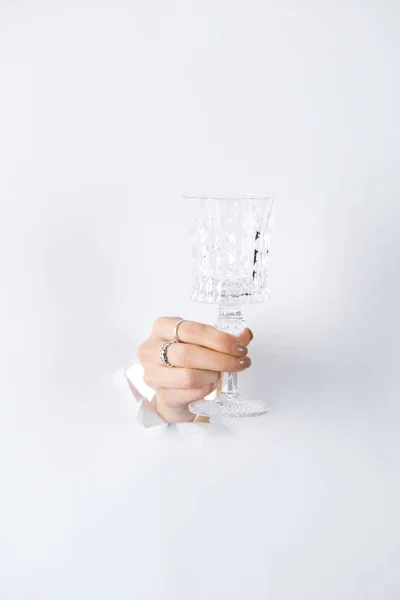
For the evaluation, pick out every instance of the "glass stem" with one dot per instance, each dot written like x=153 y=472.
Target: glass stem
x=229 y=384
x=231 y=320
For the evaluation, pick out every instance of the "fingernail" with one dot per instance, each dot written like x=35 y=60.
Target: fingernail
x=252 y=334
x=240 y=349
x=244 y=363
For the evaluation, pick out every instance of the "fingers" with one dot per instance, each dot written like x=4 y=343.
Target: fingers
x=172 y=404
x=205 y=353
x=197 y=357
x=156 y=376
x=176 y=397
x=189 y=356
x=246 y=336
x=200 y=334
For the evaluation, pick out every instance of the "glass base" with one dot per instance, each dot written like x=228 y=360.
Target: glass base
x=227 y=405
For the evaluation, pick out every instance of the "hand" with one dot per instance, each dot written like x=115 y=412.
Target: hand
x=205 y=353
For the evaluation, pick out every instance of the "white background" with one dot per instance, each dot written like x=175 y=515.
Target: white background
x=109 y=111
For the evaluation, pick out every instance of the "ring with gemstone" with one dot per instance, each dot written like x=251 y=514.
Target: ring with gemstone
x=163 y=353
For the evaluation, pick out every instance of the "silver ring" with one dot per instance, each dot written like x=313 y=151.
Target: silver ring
x=176 y=336
x=163 y=353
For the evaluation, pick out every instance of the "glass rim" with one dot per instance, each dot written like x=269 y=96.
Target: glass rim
x=222 y=197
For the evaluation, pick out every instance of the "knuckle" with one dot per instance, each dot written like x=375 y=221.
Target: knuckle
x=157 y=324
x=141 y=352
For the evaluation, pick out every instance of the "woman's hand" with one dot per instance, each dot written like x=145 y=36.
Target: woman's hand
x=205 y=353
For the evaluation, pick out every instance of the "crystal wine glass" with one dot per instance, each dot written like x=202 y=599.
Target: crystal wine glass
x=230 y=246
